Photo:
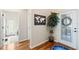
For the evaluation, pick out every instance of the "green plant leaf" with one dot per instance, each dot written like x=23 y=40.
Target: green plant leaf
x=52 y=20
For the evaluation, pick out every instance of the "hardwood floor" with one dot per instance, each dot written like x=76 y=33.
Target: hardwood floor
x=45 y=46
x=24 y=45
x=48 y=45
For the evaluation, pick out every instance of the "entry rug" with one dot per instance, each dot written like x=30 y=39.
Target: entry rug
x=58 y=47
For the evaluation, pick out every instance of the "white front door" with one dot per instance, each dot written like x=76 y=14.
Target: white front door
x=69 y=34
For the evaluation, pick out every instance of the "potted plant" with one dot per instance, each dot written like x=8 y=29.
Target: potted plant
x=52 y=22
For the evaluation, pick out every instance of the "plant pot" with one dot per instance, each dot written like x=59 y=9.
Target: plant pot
x=51 y=39
x=51 y=31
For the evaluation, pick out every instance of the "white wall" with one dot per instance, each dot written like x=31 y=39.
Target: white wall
x=39 y=33
x=23 y=26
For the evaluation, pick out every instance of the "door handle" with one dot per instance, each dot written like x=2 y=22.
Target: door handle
x=75 y=28
x=75 y=31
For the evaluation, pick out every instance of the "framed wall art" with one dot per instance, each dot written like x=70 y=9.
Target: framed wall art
x=39 y=19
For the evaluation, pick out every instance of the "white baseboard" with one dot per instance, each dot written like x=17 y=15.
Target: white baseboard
x=22 y=40
x=38 y=44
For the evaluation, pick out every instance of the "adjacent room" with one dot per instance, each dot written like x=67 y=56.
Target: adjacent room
x=39 y=29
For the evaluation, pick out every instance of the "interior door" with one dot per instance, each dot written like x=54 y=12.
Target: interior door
x=69 y=34
x=11 y=27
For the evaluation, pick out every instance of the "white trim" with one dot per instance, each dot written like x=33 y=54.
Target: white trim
x=22 y=40
x=38 y=44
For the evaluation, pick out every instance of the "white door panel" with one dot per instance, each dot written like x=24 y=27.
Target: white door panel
x=69 y=34
x=11 y=27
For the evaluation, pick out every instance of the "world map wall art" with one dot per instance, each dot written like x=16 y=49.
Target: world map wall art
x=39 y=19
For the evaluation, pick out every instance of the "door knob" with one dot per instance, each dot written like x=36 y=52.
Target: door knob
x=75 y=28
x=75 y=31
